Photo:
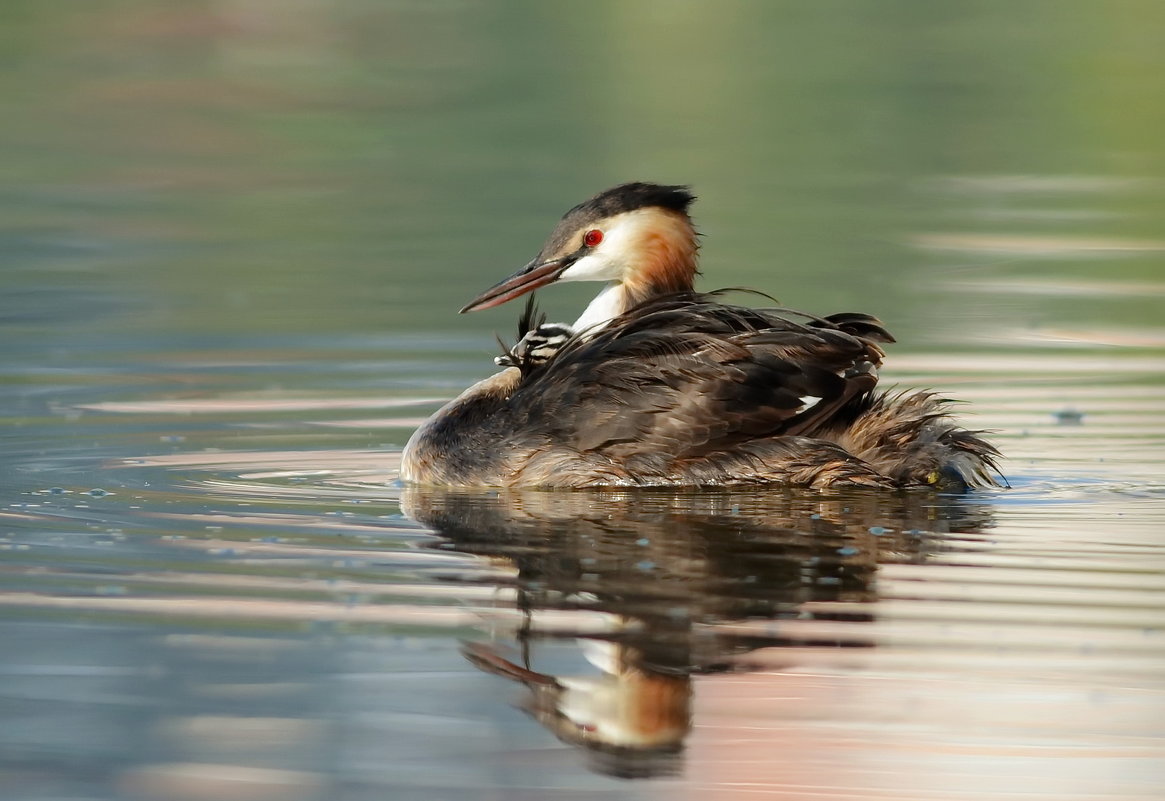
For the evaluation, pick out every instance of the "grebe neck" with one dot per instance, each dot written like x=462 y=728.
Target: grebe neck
x=612 y=301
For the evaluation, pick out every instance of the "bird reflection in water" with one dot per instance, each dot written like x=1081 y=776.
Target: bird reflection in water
x=688 y=583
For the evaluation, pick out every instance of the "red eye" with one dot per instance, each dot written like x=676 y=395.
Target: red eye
x=592 y=237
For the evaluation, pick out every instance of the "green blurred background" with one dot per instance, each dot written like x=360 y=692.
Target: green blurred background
x=304 y=167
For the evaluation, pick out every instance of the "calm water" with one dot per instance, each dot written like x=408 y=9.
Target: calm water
x=233 y=237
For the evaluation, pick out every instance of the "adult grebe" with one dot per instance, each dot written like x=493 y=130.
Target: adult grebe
x=656 y=385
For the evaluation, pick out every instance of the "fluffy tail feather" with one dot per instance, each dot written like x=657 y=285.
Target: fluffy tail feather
x=913 y=438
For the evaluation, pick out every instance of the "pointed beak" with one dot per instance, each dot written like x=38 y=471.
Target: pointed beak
x=534 y=275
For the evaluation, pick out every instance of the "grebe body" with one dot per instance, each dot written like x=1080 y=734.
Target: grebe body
x=657 y=385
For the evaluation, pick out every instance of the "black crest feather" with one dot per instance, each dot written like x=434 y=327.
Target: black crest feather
x=635 y=195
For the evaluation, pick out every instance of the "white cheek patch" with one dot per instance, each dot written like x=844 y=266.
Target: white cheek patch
x=591 y=268
x=622 y=245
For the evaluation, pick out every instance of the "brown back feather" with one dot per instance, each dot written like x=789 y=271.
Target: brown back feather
x=682 y=377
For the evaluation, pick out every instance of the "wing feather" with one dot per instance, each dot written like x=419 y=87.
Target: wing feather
x=683 y=377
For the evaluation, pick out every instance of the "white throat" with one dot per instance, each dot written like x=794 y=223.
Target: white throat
x=607 y=305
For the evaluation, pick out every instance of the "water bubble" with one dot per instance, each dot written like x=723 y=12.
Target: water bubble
x=878 y=531
x=97 y=492
x=848 y=550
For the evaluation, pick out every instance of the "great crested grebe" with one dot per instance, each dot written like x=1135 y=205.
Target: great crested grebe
x=657 y=385
x=538 y=341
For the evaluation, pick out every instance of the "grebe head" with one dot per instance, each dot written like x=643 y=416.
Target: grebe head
x=537 y=347
x=637 y=236
x=538 y=341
